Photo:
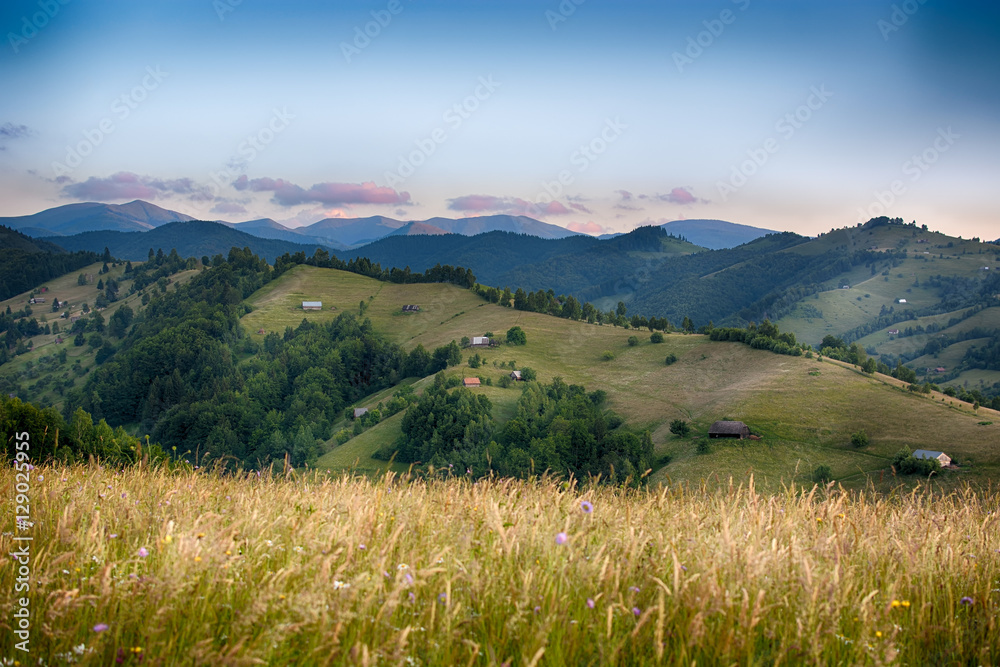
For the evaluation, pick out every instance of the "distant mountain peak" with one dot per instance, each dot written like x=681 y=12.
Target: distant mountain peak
x=715 y=234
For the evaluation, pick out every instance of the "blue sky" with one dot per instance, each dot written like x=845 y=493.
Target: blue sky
x=597 y=116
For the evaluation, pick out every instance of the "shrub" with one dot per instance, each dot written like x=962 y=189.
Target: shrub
x=859 y=439
x=703 y=447
x=528 y=374
x=680 y=428
x=608 y=355
x=656 y=337
x=822 y=474
x=632 y=341
x=671 y=358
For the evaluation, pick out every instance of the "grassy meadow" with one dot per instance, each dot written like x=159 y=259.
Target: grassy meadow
x=806 y=410
x=158 y=567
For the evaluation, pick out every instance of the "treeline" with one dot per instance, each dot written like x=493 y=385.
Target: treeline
x=26 y=263
x=557 y=428
x=568 y=307
x=764 y=336
x=51 y=437
x=456 y=275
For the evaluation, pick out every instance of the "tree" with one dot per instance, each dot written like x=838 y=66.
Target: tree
x=633 y=341
x=656 y=337
x=81 y=279
x=516 y=336
x=680 y=428
x=621 y=309
x=822 y=474
x=671 y=359
x=859 y=439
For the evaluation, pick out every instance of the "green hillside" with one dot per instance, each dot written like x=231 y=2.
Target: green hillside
x=805 y=410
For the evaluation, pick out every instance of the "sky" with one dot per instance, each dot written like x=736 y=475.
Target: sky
x=594 y=115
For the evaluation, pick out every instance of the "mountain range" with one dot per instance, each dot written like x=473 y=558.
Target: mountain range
x=344 y=233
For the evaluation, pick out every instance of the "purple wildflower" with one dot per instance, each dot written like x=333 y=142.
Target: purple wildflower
x=590 y=603
x=413 y=598
x=967 y=601
x=537 y=609
x=634 y=589
x=443 y=598
x=561 y=538
x=586 y=507
x=636 y=611
x=100 y=627
x=143 y=552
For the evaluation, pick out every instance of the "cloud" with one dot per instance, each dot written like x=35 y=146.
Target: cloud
x=508 y=205
x=681 y=196
x=580 y=207
x=626 y=199
x=330 y=194
x=228 y=207
x=127 y=185
x=589 y=227
x=10 y=131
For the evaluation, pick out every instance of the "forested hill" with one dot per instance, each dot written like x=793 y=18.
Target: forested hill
x=570 y=265
x=196 y=238
x=27 y=262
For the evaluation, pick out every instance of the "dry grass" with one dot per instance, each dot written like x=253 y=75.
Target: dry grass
x=344 y=570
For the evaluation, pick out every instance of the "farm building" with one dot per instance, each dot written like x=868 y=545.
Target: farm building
x=470 y=382
x=516 y=376
x=312 y=305
x=940 y=369
x=941 y=457
x=360 y=412
x=725 y=429
x=480 y=341
x=893 y=332
x=36 y=299
x=411 y=309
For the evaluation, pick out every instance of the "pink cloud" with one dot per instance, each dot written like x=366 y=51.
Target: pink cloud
x=681 y=196
x=330 y=194
x=127 y=185
x=590 y=227
x=509 y=205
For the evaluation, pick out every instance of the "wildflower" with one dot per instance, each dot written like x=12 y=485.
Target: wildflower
x=409 y=578
x=819 y=519
x=905 y=603
x=413 y=598
x=361 y=546
x=298 y=549
x=143 y=552
x=561 y=538
x=967 y=601
x=168 y=539
x=269 y=543
x=586 y=507
x=79 y=649
x=896 y=603
x=590 y=603
x=840 y=516
x=636 y=611
x=443 y=598
x=113 y=535
x=201 y=535
x=634 y=589
x=197 y=559
x=100 y=627
x=537 y=609
x=402 y=566
x=337 y=585
x=878 y=633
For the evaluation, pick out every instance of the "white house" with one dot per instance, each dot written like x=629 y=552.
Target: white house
x=941 y=457
x=312 y=305
x=480 y=340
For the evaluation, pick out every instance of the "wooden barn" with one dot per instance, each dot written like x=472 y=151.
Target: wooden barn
x=516 y=376
x=727 y=429
x=411 y=309
x=470 y=382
